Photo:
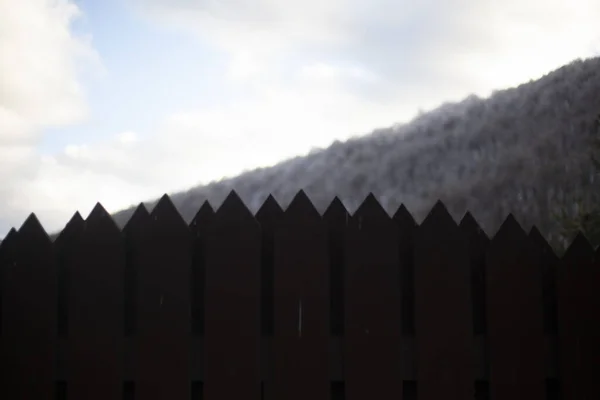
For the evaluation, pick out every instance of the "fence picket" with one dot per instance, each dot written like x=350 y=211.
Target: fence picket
x=161 y=247
x=95 y=266
x=301 y=304
x=232 y=304
x=578 y=286
x=407 y=228
x=443 y=326
x=515 y=315
x=373 y=333
x=268 y=216
x=29 y=333
x=199 y=228
x=478 y=243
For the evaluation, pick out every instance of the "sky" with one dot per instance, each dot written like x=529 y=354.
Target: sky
x=120 y=101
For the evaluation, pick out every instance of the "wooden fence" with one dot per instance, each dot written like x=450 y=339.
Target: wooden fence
x=294 y=305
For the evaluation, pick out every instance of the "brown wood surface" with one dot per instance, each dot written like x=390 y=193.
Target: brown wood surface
x=94 y=260
x=301 y=304
x=373 y=333
x=443 y=311
x=515 y=315
x=161 y=254
x=29 y=328
x=232 y=304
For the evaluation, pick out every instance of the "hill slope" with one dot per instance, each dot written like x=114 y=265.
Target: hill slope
x=523 y=150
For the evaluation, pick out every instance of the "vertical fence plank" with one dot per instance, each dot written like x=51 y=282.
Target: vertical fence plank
x=578 y=286
x=163 y=321
x=592 y=328
x=478 y=243
x=406 y=231
x=444 y=326
x=550 y=263
x=199 y=227
x=301 y=304
x=29 y=315
x=6 y=261
x=134 y=233
x=336 y=217
x=549 y=267
x=372 y=348
x=95 y=308
x=68 y=252
x=232 y=302
x=515 y=316
x=268 y=216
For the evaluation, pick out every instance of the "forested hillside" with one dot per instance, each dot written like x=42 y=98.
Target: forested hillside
x=524 y=150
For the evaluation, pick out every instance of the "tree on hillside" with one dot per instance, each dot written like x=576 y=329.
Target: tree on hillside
x=587 y=216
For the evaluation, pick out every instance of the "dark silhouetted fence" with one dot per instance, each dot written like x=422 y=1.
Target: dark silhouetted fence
x=294 y=305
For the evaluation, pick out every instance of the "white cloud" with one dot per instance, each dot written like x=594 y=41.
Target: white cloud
x=324 y=71
x=128 y=137
x=497 y=44
x=480 y=44
x=40 y=59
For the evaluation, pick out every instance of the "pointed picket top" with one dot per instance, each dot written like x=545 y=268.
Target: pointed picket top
x=139 y=220
x=540 y=242
x=302 y=209
x=7 y=247
x=336 y=213
x=469 y=225
x=97 y=212
x=73 y=228
x=33 y=232
x=270 y=211
x=10 y=237
x=75 y=222
x=166 y=215
x=233 y=210
x=203 y=217
x=580 y=254
x=510 y=228
x=509 y=239
x=205 y=213
x=438 y=220
x=372 y=210
x=404 y=218
x=100 y=221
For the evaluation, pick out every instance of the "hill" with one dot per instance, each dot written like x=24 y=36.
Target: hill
x=523 y=150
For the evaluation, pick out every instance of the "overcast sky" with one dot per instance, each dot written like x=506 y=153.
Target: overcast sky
x=122 y=101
